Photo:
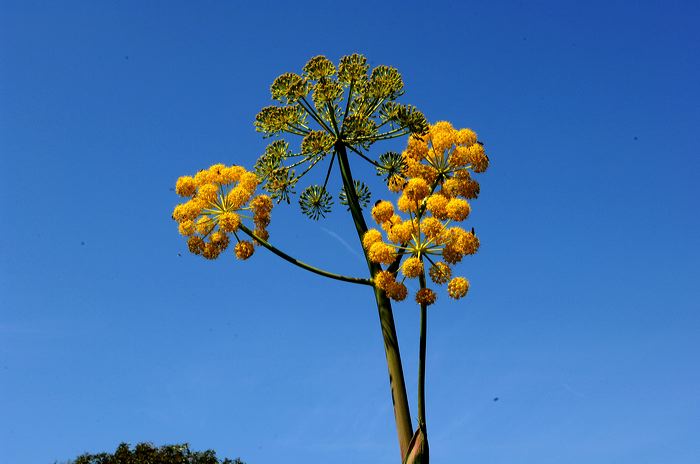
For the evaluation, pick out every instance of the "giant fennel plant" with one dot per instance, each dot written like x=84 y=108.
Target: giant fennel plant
x=338 y=113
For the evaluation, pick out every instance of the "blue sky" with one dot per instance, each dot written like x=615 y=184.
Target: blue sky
x=583 y=313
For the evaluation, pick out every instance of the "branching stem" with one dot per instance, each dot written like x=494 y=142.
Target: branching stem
x=301 y=264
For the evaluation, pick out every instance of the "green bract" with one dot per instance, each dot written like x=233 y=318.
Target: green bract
x=315 y=201
x=361 y=191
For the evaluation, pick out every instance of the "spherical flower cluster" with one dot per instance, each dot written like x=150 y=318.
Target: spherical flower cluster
x=434 y=190
x=428 y=239
x=425 y=296
x=446 y=155
x=244 y=250
x=458 y=287
x=412 y=267
x=382 y=211
x=218 y=199
x=382 y=253
x=440 y=273
x=386 y=281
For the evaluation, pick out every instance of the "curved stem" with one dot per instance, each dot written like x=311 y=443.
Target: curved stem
x=402 y=413
x=369 y=160
x=328 y=173
x=303 y=265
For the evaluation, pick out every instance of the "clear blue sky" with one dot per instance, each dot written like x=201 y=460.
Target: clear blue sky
x=583 y=314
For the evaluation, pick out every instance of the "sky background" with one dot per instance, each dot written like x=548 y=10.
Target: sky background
x=582 y=318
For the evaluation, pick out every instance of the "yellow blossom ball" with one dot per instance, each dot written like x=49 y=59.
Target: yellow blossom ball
x=261 y=219
x=383 y=279
x=478 y=158
x=381 y=253
x=179 y=212
x=425 y=296
x=229 y=222
x=443 y=141
x=469 y=244
x=450 y=187
x=458 y=209
x=211 y=251
x=395 y=219
x=406 y=205
x=442 y=135
x=237 y=197
x=232 y=174
x=202 y=177
x=400 y=233
x=204 y=224
x=216 y=173
x=459 y=239
x=415 y=169
x=464 y=187
x=186 y=227
x=440 y=273
x=416 y=189
x=465 y=137
x=412 y=267
x=188 y=210
x=459 y=156
x=220 y=239
x=194 y=207
x=371 y=237
x=396 y=183
x=417 y=148
x=261 y=203
x=451 y=255
x=195 y=245
x=441 y=126
x=469 y=189
x=208 y=193
x=397 y=291
x=244 y=250
x=458 y=287
x=382 y=211
x=437 y=205
x=185 y=186
x=431 y=227
x=249 y=181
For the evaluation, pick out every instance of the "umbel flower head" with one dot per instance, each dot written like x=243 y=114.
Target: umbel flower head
x=443 y=156
x=218 y=199
x=331 y=108
x=434 y=185
x=426 y=243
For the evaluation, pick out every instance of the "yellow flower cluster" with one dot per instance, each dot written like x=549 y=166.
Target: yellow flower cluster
x=434 y=189
x=444 y=155
x=218 y=199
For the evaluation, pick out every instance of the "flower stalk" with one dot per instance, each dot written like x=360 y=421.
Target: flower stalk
x=432 y=178
x=301 y=264
x=402 y=413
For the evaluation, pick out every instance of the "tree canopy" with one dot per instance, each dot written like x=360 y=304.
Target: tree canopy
x=147 y=453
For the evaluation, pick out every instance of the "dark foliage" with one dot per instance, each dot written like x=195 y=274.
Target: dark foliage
x=146 y=453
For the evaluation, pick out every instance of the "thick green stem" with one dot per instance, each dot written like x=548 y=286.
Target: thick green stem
x=421 y=360
x=397 y=383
